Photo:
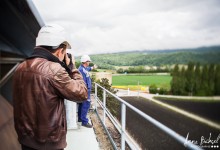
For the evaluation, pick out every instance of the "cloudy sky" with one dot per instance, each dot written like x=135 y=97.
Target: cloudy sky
x=103 y=26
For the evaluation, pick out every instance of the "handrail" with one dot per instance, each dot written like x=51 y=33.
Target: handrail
x=111 y=139
x=124 y=134
x=10 y=60
x=8 y=75
x=117 y=126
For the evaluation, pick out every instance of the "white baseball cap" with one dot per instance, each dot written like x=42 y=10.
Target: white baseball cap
x=85 y=58
x=52 y=35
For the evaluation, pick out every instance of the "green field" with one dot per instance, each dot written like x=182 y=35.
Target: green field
x=144 y=80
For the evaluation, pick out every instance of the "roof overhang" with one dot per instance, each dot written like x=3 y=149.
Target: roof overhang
x=20 y=23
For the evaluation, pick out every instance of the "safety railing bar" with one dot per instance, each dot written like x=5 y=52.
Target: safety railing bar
x=7 y=63
x=113 y=120
x=104 y=104
x=111 y=117
x=106 y=130
x=8 y=75
x=107 y=111
x=8 y=60
x=110 y=113
x=96 y=96
x=164 y=128
x=132 y=144
x=115 y=96
x=117 y=125
x=123 y=125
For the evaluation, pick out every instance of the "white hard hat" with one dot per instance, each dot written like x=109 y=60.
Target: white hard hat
x=85 y=58
x=52 y=35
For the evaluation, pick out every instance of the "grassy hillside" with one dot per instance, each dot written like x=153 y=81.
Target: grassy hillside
x=158 y=58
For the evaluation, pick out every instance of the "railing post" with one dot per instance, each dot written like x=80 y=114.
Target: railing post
x=138 y=89
x=104 y=103
x=96 y=96
x=123 y=123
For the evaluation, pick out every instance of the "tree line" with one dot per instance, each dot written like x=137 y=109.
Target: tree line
x=196 y=80
x=205 y=55
x=142 y=69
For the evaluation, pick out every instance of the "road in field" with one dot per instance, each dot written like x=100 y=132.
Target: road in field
x=150 y=137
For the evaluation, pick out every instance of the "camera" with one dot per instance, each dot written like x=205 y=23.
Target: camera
x=70 y=57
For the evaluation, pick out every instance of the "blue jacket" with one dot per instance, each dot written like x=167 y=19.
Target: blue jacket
x=86 y=77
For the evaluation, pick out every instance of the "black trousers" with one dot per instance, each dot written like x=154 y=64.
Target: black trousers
x=29 y=148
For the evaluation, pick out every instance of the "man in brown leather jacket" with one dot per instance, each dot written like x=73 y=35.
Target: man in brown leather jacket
x=40 y=85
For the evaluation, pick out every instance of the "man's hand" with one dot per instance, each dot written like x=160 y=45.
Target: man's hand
x=70 y=61
x=73 y=60
x=95 y=67
x=67 y=59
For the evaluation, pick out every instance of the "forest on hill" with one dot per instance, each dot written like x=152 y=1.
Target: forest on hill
x=203 y=55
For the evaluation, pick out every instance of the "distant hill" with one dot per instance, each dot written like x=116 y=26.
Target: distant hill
x=204 y=55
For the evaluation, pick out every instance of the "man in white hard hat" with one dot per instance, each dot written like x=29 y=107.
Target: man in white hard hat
x=40 y=85
x=83 y=108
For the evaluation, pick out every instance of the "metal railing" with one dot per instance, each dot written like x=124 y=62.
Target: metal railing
x=7 y=61
x=125 y=137
x=8 y=76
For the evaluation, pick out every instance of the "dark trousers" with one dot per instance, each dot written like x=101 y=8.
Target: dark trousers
x=82 y=111
x=29 y=148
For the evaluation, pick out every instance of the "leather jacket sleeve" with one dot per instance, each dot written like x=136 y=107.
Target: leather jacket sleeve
x=71 y=87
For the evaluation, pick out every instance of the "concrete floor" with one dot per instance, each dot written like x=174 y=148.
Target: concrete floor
x=81 y=139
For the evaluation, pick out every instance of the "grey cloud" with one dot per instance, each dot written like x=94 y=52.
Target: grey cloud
x=121 y=25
